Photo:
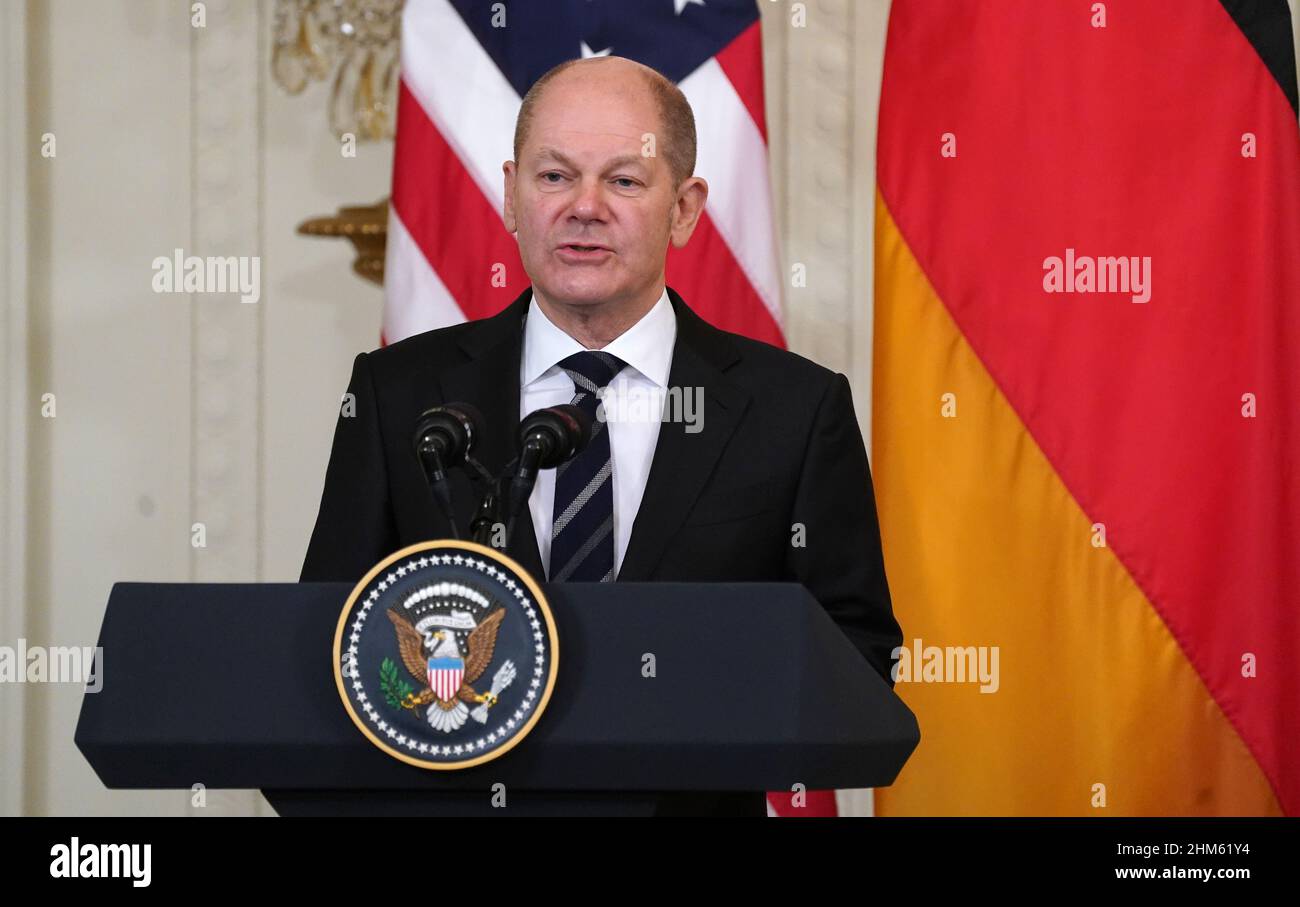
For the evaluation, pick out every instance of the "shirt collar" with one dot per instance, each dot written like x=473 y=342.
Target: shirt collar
x=646 y=346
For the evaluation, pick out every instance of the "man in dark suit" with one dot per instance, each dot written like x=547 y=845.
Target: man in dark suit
x=771 y=483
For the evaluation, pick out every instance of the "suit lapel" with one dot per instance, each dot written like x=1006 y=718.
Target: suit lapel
x=490 y=381
x=683 y=462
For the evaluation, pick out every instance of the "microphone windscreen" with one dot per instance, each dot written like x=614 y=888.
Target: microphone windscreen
x=561 y=431
x=450 y=429
x=583 y=423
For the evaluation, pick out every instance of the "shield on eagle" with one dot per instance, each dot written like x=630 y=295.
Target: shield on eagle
x=445 y=675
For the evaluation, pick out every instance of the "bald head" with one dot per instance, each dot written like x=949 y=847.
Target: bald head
x=675 y=137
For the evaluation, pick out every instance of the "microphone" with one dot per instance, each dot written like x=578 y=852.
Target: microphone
x=449 y=430
x=444 y=436
x=547 y=438
x=556 y=433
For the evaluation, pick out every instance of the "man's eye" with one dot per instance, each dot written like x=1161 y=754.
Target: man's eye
x=631 y=183
x=547 y=176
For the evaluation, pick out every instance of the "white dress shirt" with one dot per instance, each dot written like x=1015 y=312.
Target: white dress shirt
x=647 y=348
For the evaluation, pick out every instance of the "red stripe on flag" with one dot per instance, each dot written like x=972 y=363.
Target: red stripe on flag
x=709 y=278
x=461 y=236
x=742 y=62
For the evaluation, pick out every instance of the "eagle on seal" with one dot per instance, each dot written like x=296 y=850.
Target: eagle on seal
x=434 y=657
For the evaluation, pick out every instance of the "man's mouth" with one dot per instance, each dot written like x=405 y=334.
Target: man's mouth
x=583 y=253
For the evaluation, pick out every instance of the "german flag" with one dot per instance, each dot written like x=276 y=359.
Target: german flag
x=1086 y=424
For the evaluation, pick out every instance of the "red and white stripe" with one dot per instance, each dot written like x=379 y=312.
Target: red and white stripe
x=446 y=682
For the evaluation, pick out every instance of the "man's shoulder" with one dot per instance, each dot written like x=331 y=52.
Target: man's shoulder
x=429 y=349
x=755 y=364
x=779 y=359
x=448 y=347
x=772 y=369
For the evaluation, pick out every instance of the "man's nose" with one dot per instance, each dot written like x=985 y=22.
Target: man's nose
x=589 y=204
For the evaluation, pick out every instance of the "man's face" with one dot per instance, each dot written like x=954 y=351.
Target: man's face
x=593 y=213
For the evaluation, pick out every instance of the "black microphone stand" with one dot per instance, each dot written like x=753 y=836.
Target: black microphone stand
x=438 y=484
x=488 y=515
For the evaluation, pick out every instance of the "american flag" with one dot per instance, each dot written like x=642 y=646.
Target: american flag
x=466 y=65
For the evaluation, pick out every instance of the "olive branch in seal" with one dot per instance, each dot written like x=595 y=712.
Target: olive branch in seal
x=395 y=689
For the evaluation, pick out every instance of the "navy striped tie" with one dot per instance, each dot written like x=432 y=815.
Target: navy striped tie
x=582 y=529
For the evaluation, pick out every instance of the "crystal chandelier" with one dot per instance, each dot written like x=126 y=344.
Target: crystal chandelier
x=358 y=41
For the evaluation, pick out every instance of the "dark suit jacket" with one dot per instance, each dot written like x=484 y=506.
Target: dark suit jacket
x=780 y=445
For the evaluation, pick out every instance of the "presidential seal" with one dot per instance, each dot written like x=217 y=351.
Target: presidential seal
x=445 y=654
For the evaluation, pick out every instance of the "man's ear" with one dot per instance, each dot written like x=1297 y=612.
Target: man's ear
x=508 y=211
x=691 y=196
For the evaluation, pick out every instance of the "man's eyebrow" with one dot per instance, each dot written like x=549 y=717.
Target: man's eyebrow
x=621 y=161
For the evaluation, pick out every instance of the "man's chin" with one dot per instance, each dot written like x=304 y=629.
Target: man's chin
x=580 y=293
